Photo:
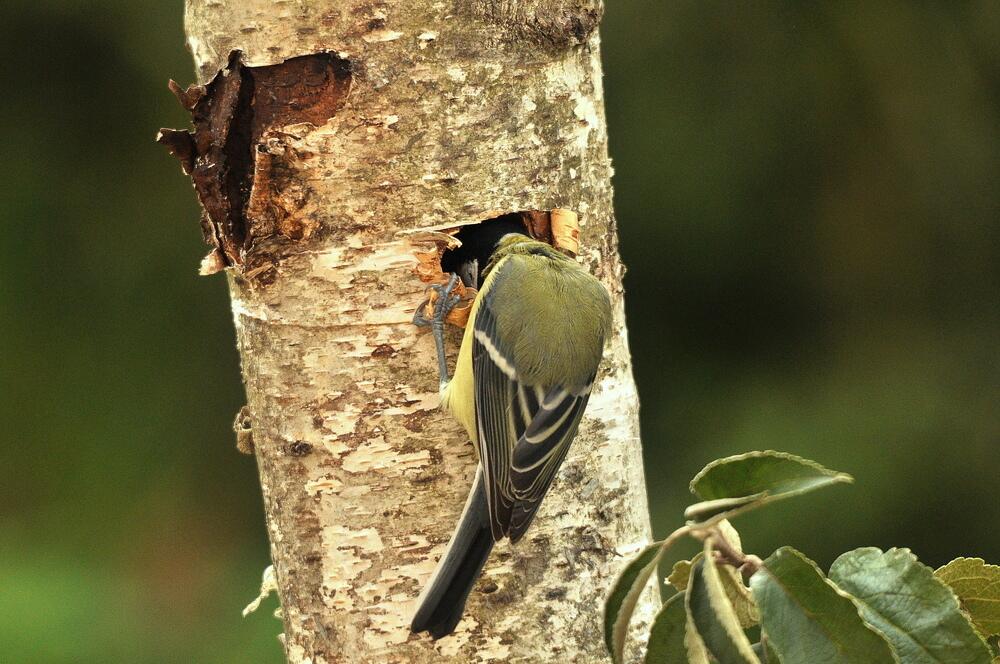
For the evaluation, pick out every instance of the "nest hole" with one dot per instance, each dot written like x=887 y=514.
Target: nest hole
x=558 y=228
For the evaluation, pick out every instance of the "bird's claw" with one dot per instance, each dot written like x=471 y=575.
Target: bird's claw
x=443 y=305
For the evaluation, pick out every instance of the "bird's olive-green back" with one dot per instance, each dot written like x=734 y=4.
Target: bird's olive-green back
x=554 y=313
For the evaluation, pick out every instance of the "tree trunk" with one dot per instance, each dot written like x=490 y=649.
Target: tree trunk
x=327 y=135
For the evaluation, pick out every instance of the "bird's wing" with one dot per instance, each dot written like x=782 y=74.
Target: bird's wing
x=495 y=387
x=524 y=431
x=541 y=448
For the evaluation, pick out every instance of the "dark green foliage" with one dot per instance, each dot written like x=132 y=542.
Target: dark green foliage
x=713 y=617
x=876 y=608
x=807 y=619
x=621 y=602
x=736 y=484
x=916 y=612
x=666 y=637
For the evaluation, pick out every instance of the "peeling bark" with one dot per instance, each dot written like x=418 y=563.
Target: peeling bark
x=235 y=155
x=328 y=138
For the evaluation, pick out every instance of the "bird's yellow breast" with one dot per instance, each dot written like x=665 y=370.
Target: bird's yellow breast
x=459 y=396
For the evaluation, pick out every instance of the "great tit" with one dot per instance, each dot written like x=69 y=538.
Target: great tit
x=528 y=359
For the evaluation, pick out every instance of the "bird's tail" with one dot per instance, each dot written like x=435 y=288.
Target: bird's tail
x=442 y=602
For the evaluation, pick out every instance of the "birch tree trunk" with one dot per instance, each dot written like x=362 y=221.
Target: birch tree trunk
x=326 y=134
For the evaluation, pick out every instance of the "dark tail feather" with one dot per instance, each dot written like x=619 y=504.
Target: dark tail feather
x=442 y=602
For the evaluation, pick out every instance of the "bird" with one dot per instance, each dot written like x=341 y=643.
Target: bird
x=525 y=369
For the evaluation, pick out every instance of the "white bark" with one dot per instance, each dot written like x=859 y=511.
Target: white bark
x=451 y=113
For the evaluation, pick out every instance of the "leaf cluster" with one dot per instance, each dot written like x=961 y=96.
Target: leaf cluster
x=729 y=607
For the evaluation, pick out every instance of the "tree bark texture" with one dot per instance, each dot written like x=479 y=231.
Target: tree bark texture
x=330 y=136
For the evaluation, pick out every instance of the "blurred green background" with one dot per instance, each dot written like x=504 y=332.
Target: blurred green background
x=808 y=204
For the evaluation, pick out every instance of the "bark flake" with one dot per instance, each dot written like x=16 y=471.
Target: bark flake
x=238 y=161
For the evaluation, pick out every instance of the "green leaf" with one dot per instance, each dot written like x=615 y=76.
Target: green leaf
x=628 y=586
x=696 y=652
x=709 y=609
x=726 y=507
x=917 y=612
x=808 y=619
x=624 y=594
x=739 y=483
x=978 y=588
x=666 y=637
x=680 y=574
x=765 y=653
x=732 y=580
x=994 y=642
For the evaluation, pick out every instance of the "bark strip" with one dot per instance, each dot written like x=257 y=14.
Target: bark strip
x=329 y=137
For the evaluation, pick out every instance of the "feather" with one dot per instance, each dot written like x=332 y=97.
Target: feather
x=524 y=426
x=443 y=600
x=525 y=369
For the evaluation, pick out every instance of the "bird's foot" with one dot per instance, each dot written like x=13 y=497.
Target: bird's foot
x=443 y=304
